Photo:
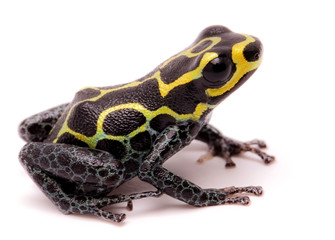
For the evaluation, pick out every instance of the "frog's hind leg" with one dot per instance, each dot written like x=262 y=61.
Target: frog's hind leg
x=68 y=203
x=77 y=179
x=225 y=147
x=37 y=127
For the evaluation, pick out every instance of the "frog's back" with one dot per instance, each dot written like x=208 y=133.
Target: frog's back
x=123 y=120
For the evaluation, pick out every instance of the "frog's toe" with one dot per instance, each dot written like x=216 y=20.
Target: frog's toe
x=263 y=155
x=211 y=154
x=267 y=158
x=232 y=147
x=257 y=142
x=230 y=164
x=115 y=217
x=130 y=205
x=235 y=195
x=243 y=200
x=253 y=190
x=207 y=156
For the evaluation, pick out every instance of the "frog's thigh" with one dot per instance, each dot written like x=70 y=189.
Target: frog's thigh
x=37 y=127
x=90 y=171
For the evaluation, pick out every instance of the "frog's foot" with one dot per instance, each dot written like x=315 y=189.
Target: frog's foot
x=68 y=203
x=118 y=198
x=253 y=190
x=95 y=205
x=226 y=148
x=235 y=195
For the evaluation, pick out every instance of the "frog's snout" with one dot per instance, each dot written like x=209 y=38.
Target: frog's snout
x=253 y=51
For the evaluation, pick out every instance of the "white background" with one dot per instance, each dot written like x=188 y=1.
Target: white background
x=50 y=49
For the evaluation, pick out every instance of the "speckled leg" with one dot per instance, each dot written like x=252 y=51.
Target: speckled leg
x=77 y=179
x=151 y=171
x=225 y=147
x=37 y=127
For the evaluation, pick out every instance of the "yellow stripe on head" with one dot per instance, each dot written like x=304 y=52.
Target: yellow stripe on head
x=188 y=52
x=187 y=77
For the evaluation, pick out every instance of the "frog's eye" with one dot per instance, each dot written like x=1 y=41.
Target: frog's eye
x=219 y=70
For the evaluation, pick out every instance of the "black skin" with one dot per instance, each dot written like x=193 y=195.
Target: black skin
x=78 y=177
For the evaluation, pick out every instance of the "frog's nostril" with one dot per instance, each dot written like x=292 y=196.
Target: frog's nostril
x=253 y=51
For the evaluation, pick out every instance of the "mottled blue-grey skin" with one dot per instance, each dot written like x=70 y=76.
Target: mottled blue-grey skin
x=78 y=178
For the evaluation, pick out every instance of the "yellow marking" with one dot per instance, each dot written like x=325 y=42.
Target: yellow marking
x=103 y=92
x=188 y=52
x=163 y=88
x=187 y=77
x=94 y=88
x=242 y=67
x=100 y=134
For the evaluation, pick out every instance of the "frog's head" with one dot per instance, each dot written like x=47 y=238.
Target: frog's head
x=215 y=65
x=228 y=62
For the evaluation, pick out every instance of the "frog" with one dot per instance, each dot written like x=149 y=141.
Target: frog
x=79 y=152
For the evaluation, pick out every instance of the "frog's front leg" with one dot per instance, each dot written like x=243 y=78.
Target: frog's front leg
x=225 y=147
x=169 y=142
x=37 y=127
x=77 y=179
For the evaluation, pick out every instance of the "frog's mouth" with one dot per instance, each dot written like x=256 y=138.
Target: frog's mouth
x=247 y=56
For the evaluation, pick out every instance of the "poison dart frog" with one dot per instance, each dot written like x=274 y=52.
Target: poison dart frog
x=78 y=152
